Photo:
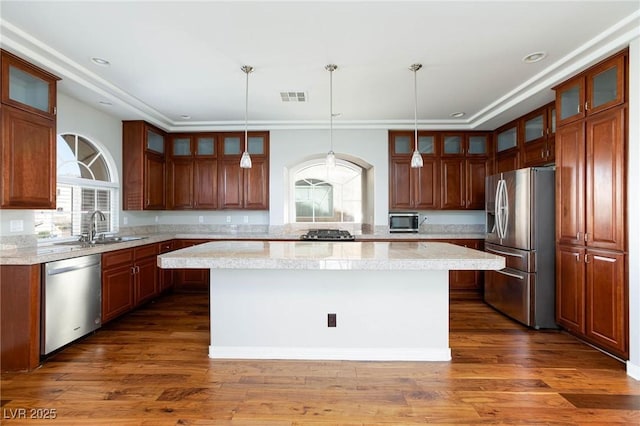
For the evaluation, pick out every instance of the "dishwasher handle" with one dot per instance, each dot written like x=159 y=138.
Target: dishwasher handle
x=62 y=270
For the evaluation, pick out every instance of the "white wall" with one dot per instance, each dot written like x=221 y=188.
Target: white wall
x=633 y=177
x=290 y=147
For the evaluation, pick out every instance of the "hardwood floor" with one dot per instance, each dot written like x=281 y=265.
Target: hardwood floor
x=151 y=368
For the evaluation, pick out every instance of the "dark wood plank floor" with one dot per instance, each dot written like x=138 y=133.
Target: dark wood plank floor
x=151 y=368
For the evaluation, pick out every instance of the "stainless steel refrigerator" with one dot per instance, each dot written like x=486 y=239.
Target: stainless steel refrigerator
x=520 y=218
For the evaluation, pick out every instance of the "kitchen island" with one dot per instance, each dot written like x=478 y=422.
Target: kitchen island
x=330 y=300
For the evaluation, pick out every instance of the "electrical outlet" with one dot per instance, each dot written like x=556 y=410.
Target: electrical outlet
x=200 y=219
x=125 y=220
x=245 y=219
x=16 y=225
x=157 y=219
x=331 y=320
x=228 y=219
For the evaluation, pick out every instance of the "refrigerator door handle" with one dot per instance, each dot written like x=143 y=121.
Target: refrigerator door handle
x=509 y=274
x=505 y=209
x=504 y=253
x=497 y=209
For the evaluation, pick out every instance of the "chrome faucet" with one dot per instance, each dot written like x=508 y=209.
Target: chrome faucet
x=93 y=224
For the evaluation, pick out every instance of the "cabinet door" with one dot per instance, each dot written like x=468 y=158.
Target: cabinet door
x=256 y=185
x=400 y=184
x=146 y=280
x=27 y=87
x=453 y=194
x=605 y=85
x=570 y=291
x=570 y=184
x=117 y=291
x=535 y=153
x=507 y=161
x=607 y=301
x=180 y=183
x=154 y=182
x=476 y=172
x=231 y=184
x=165 y=276
x=191 y=280
x=605 y=189
x=466 y=279
x=570 y=101
x=205 y=182
x=28 y=158
x=426 y=185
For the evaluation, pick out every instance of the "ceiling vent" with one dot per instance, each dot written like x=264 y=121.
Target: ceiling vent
x=293 y=96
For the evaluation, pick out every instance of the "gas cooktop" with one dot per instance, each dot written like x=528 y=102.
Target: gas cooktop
x=327 y=235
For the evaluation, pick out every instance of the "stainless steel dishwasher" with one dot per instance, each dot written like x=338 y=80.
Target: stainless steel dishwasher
x=71 y=300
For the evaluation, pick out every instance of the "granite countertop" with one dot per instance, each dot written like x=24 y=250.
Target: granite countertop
x=42 y=253
x=330 y=256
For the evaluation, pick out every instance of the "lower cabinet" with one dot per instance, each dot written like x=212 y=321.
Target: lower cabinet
x=191 y=280
x=165 y=276
x=591 y=296
x=129 y=278
x=466 y=284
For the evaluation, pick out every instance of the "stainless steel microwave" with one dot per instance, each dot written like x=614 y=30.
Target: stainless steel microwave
x=404 y=222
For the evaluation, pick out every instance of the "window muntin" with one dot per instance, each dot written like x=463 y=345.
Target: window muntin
x=327 y=195
x=84 y=185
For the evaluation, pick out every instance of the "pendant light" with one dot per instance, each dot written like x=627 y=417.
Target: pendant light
x=331 y=156
x=416 y=158
x=245 y=160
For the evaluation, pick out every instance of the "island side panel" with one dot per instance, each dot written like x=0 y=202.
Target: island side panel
x=282 y=314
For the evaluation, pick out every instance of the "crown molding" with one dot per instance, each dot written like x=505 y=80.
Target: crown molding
x=606 y=43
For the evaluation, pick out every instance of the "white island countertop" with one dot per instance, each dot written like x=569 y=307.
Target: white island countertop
x=352 y=255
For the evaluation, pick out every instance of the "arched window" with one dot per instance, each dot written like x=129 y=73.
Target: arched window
x=324 y=194
x=84 y=184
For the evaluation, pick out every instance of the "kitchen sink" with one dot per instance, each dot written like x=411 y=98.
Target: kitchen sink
x=99 y=241
x=115 y=239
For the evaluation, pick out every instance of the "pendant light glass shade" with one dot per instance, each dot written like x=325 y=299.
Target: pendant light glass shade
x=330 y=160
x=416 y=158
x=245 y=160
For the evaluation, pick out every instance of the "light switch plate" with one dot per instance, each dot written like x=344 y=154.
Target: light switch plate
x=16 y=225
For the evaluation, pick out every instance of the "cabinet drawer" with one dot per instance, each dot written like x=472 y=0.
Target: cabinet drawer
x=166 y=246
x=117 y=258
x=145 y=251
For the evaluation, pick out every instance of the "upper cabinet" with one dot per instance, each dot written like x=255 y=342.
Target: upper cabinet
x=28 y=151
x=507 y=154
x=464 y=164
x=411 y=188
x=28 y=88
x=144 y=168
x=601 y=87
x=538 y=130
x=192 y=176
x=240 y=188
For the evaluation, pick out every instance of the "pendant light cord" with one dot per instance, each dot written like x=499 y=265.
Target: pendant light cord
x=415 y=105
x=247 y=70
x=331 y=108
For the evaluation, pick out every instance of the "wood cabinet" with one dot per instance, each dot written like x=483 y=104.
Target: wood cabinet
x=507 y=153
x=466 y=280
x=129 y=278
x=28 y=145
x=591 y=271
x=600 y=87
x=144 y=167
x=538 y=130
x=240 y=188
x=464 y=164
x=191 y=280
x=165 y=276
x=590 y=184
x=192 y=172
x=411 y=188
x=20 y=298
x=592 y=296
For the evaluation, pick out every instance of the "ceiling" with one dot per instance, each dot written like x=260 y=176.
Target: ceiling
x=170 y=59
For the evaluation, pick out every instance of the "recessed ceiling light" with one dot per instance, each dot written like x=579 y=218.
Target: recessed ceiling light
x=107 y=103
x=457 y=114
x=534 y=57
x=185 y=117
x=100 y=61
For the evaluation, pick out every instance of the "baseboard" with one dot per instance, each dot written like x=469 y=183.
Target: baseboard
x=344 y=354
x=633 y=370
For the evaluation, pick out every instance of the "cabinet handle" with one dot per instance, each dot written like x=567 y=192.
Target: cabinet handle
x=586 y=237
x=542 y=153
x=133 y=270
x=578 y=236
x=586 y=106
x=577 y=255
x=586 y=258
